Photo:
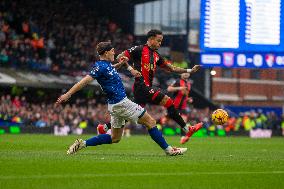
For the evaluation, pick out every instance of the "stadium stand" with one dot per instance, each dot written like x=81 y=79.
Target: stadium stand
x=61 y=38
x=88 y=113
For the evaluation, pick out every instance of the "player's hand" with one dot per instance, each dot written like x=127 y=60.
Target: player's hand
x=136 y=73
x=195 y=68
x=62 y=98
x=123 y=59
x=190 y=100
x=183 y=89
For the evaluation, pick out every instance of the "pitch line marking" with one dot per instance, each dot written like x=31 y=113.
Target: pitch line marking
x=4 y=177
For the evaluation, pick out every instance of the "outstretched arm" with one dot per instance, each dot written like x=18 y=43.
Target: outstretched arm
x=172 y=88
x=78 y=86
x=179 y=70
x=125 y=59
x=122 y=60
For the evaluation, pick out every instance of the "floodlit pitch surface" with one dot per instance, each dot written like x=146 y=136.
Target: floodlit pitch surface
x=40 y=161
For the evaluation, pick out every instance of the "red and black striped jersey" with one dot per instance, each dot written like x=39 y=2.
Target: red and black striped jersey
x=145 y=60
x=181 y=97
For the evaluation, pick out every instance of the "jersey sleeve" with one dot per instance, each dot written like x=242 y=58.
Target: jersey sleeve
x=96 y=72
x=132 y=52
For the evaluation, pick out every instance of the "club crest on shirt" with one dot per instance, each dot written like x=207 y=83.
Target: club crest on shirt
x=147 y=67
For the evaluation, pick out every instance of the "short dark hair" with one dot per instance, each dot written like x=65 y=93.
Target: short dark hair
x=153 y=33
x=102 y=47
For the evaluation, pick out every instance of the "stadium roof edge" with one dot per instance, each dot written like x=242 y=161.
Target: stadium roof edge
x=9 y=77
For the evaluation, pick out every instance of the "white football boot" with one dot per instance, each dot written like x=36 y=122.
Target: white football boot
x=174 y=151
x=76 y=146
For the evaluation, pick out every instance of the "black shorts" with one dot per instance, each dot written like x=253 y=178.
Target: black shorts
x=146 y=95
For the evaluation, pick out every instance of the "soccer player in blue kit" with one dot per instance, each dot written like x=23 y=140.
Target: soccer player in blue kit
x=119 y=106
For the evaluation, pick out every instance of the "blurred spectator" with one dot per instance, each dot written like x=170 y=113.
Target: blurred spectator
x=230 y=126
x=16 y=102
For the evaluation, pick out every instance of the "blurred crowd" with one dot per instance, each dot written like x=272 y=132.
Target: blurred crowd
x=85 y=113
x=58 y=36
x=82 y=113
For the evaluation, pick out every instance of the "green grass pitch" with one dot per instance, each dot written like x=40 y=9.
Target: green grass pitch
x=40 y=161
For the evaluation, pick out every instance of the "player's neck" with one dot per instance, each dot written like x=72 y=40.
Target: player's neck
x=105 y=59
x=148 y=44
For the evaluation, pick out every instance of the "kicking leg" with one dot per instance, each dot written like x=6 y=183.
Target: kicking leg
x=173 y=113
x=167 y=102
x=160 y=98
x=157 y=136
x=99 y=139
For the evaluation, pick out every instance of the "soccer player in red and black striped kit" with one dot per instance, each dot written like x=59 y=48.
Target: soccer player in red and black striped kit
x=181 y=89
x=145 y=59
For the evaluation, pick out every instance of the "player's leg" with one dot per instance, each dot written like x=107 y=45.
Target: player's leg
x=103 y=128
x=185 y=118
x=117 y=123
x=76 y=146
x=159 y=98
x=117 y=129
x=173 y=113
x=135 y=113
x=183 y=138
x=127 y=130
x=154 y=96
x=94 y=141
x=157 y=136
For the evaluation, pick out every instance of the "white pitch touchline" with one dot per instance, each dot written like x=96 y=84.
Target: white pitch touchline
x=3 y=177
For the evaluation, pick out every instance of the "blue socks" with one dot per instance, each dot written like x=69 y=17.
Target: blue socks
x=157 y=136
x=98 y=140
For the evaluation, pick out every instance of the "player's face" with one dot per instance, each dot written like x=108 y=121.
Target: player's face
x=185 y=76
x=156 y=41
x=110 y=55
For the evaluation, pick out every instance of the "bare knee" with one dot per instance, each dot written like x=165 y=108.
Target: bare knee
x=152 y=122
x=147 y=120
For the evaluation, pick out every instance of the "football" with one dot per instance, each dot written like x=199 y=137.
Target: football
x=219 y=117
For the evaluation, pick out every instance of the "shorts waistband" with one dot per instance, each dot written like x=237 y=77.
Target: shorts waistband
x=120 y=102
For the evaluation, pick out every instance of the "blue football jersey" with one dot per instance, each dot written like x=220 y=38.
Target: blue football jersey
x=109 y=79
